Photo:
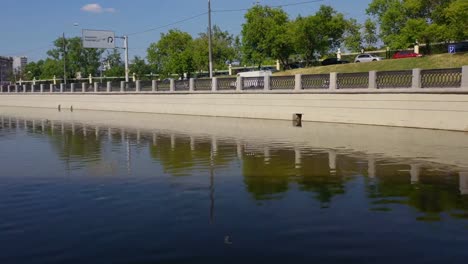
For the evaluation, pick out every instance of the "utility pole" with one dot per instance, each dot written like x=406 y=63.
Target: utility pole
x=126 y=57
x=210 y=48
x=64 y=59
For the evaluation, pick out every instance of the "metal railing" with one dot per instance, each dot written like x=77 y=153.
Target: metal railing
x=394 y=79
x=203 y=84
x=146 y=86
x=130 y=87
x=101 y=87
x=407 y=81
x=182 y=85
x=163 y=86
x=283 y=83
x=353 y=80
x=315 y=81
x=226 y=84
x=441 y=78
x=115 y=86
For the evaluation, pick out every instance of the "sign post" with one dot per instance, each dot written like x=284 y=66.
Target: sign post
x=98 y=39
x=102 y=39
x=452 y=50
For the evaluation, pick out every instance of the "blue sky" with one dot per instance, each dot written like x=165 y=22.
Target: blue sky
x=30 y=26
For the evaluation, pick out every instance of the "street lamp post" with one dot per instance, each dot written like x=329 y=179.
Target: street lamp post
x=210 y=48
x=64 y=59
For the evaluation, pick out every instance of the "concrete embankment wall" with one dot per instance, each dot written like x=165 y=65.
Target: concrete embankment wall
x=433 y=111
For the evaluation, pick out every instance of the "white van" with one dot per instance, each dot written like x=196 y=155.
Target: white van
x=255 y=74
x=254 y=79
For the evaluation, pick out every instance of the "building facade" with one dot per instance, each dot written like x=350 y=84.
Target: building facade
x=6 y=69
x=19 y=63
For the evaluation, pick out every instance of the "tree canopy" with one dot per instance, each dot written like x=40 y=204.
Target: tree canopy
x=223 y=45
x=404 y=22
x=265 y=34
x=173 y=53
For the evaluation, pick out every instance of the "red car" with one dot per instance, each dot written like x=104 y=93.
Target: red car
x=406 y=54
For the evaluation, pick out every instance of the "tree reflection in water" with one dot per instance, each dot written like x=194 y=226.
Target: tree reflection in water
x=270 y=171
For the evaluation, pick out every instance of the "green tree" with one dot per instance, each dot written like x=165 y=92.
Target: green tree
x=33 y=69
x=113 y=64
x=172 y=54
x=403 y=22
x=79 y=59
x=353 y=36
x=139 y=67
x=52 y=68
x=457 y=19
x=265 y=34
x=370 y=34
x=315 y=36
x=223 y=49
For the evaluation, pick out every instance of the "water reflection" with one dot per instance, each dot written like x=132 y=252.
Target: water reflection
x=271 y=170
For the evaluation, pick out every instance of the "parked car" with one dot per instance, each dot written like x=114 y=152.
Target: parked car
x=331 y=61
x=406 y=54
x=367 y=58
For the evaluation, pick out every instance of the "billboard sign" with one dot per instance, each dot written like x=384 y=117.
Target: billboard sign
x=98 y=39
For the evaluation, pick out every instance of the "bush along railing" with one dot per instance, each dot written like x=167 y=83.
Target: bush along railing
x=407 y=81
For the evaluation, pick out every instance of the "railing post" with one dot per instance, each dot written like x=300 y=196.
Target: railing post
x=51 y=88
x=61 y=87
x=373 y=80
x=96 y=87
x=41 y=88
x=154 y=84
x=122 y=86
x=109 y=87
x=191 y=84
x=464 y=83
x=239 y=83
x=32 y=88
x=298 y=82
x=416 y=83
x=72 y=87
x=138 y=86
x=8 y=89
x=266 y=82
x=333 y=80
x=172 y=85
x=83 y=87
x=214 y=84
x=25 y=86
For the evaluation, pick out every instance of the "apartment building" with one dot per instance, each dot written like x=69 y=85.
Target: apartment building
x=6 y=69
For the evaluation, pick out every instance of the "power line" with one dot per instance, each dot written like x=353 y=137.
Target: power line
x=168 y=25
x=285 y=5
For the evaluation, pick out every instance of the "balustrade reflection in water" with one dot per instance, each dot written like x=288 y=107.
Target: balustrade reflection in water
x=270 y=170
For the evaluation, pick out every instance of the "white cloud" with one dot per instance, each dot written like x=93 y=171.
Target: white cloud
x=97 y=8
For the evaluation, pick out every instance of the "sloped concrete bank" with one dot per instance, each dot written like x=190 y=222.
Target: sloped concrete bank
x=432 y=111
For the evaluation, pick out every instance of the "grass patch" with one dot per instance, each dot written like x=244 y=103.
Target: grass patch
x=439 y=61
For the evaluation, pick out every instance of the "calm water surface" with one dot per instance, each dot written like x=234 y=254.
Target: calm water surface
x=175 y=190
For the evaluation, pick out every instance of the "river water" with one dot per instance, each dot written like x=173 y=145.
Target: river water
x=101 y=187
